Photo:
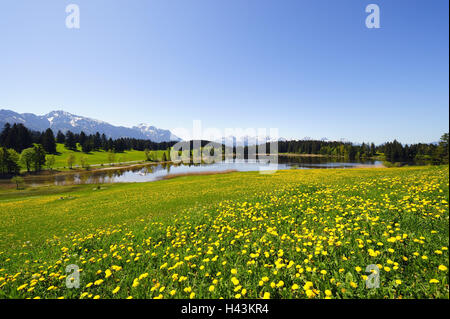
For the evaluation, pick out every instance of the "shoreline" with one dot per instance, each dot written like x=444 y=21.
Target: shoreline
x=171 y=176
x=127 y=165
x=6 y=184
x=46 y=174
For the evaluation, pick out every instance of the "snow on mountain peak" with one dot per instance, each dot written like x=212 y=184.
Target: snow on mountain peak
x=65 y=121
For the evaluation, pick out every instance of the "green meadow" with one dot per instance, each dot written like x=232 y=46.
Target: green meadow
x=292 y=234
x=98 y=158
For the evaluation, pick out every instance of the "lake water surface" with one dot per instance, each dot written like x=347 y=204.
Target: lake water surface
x=154 y=172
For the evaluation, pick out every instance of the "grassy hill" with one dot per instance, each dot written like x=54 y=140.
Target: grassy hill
x=98 y=157
x=293 y=234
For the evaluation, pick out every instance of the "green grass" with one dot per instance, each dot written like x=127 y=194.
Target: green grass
x=97 y=157
x=293 y=234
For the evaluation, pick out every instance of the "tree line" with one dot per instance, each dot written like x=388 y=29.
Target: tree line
x=330 y=148
x=97 y=142
x=436 y=154
x=18 y=138
x=393 y=152
x=20 y=146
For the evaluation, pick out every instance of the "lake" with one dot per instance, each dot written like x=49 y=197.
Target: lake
x=154 y=172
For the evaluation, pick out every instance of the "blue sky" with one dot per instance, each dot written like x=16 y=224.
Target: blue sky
x=310 y=68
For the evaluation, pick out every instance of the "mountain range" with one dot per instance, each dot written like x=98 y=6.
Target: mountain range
x=64 y=121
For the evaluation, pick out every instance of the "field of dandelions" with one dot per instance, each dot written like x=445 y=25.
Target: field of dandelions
x=294 y=234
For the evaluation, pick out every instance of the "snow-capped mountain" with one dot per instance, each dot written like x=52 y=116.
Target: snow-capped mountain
x=247 y=140
x=155 y=133
x=64 y=121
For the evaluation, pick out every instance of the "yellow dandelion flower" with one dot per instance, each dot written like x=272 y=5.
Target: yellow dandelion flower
x=98 y=282
x=434 y=281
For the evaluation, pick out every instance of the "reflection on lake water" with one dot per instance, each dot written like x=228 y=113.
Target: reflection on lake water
x=153 y=172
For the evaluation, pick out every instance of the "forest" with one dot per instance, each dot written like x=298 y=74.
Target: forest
x=22 y=146
x=392 y=152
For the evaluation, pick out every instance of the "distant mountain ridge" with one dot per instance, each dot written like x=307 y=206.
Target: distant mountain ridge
x=247 y=140
x=65 y=121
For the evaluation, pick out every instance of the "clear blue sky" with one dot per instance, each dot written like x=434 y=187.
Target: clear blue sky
x=310 y=68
